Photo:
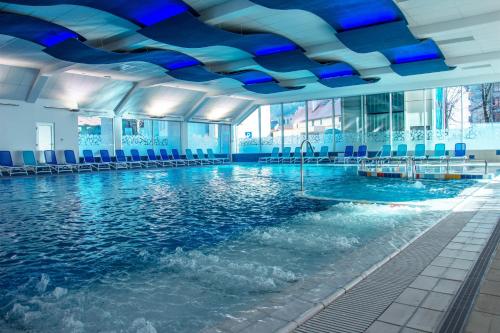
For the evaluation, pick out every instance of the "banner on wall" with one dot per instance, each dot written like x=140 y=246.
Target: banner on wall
x=248 y=135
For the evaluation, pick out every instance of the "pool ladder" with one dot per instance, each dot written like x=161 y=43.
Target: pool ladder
x=302 y=163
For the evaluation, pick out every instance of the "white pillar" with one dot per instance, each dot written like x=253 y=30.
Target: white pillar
x=117 y=132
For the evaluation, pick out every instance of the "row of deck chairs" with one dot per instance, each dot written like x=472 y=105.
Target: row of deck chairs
x=384 y=154
x=90 y=163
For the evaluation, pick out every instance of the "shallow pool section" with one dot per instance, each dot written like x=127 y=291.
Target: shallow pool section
x=180 y=250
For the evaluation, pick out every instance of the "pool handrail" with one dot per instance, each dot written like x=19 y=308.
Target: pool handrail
x=7 y=165
x=31 y=164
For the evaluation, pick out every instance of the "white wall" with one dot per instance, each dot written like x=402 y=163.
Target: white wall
x=18 y=128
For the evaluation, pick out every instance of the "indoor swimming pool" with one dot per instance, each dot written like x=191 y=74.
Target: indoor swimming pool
x=180 y=250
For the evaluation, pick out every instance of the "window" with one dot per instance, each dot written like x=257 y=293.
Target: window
x=248 y=134
x=214 y=136
x=271 y=127
x=95 y=134
x=137 y=134
x=320 y=123
x=166 y=134
x=294 y=123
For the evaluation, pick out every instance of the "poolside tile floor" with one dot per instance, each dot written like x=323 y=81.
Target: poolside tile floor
x=422 y=303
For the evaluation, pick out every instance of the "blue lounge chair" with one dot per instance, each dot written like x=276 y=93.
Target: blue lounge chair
x=362 y=154
x=347 y=155
x=105 y=158
x=221 y=160
x=152 y=161
x=420 y=152
x=401 y=153
x=51 y=160
x=309 y=157
x=439 y=152
x=286 y=156
x=177 y=158
x=31 y=164
x=190 y=158
x=69 y=156
x=323 y=155
x=202 y=158
x=460 y=152
x=88 y=157
x=297 y=153
x=275 y=155
x=136 y=157
x=6 y=165
x=120 y=157
x=165 y=160
x=384 y=154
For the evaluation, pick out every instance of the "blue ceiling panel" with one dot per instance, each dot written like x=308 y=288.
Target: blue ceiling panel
x=194 y=74
x=421 y=67
x=185 y=30
x=142 y=13
x=34 y=30
x=269 y=88
x=250 y=77
x=425 y=50
x=377 y=37
x=346 y=81
x=75 y=51
x=287 y=62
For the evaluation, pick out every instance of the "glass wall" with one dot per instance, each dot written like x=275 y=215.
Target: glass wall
x=320 y=123
x=143 y=134
x=95 y=133
x=469 y=114
x=248 y=134
x=214 y=136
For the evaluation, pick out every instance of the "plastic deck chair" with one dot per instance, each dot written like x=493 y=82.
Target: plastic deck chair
x=88 y=157
x=439 y=152
x=31 y=164
x=323 y=155
x=274 y=155
x=152 y=159
x=362 y=153
x=384 y=153
x=402 y=152
x=190 y=158
x=211 y=156
x=460 y=151
x=104 y=153
x=69 y=156
x=297 y=153
x=286 y=156
x=177 y=158
x=347 y=155
x=51 y=159
x=419 y=152
x=165 y=160
x=6 y=164
x=201 y=157
x=136 y=157
x=120 y=157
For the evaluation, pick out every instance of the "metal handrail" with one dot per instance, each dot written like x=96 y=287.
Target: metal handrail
x=302 y=163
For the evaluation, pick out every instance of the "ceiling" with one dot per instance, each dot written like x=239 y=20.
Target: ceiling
x=215 y=60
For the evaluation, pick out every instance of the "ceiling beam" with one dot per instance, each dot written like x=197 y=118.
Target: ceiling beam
x=119 y=109
x=196 y=107
x=36 y=87
x=245 y=113
x=429 y=30
x=57 y=68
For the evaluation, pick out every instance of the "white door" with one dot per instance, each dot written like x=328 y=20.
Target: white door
x=44 y=137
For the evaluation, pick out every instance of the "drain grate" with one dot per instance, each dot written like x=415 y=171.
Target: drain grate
x=459 y=310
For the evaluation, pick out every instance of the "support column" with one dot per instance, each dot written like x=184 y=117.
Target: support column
x=117 y=132
x=282 y=128
x=390 y=121
x=184 y=137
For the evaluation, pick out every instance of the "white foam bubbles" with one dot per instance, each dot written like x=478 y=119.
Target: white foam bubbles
x=141 y=325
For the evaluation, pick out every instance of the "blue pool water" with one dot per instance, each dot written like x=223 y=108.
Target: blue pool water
x=180 y=250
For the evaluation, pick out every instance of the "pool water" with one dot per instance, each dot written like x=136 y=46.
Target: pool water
x=180 y=250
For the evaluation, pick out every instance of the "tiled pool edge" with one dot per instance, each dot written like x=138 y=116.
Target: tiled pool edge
x=310 y=314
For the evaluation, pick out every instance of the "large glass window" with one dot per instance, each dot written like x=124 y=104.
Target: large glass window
x=204 y=136
x=137 y=134
x=95 y=134
x=166 y=134
x=378 y=120
x=248 y=134
x=352 y=121
x=294 y=123
x=320 y=123
x=271 y=127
